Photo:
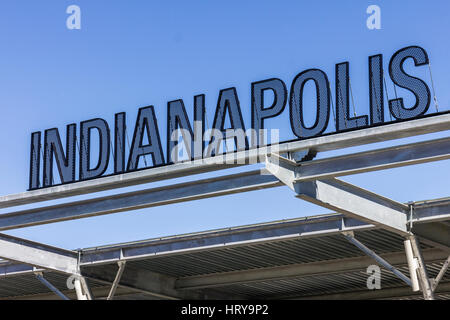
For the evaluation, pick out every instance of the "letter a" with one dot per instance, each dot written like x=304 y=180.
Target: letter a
x=374 y=280
x=374 y=20
x=74 y=20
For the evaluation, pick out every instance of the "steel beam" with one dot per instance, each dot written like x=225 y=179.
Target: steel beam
x=100 y=293
x=37 y=254
x=182 y=192
x=384 y=293
x=431 y=210
x=287 y=171
x=373 y=160
x=156 y=284
x=148 y=282
x=397 y=130
x=426 y=212
x=435 y=233
x=296 y=270
x=229 y=237
x=356 y=202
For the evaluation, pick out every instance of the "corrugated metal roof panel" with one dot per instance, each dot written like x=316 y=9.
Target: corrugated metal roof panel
x=251 y=256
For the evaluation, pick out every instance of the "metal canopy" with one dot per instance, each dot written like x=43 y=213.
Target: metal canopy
x=248 y=261
x=308 y=227
x=295 y=258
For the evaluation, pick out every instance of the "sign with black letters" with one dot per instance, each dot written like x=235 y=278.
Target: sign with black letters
x=47 y=147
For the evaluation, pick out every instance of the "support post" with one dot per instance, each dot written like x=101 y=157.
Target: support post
x=424 y=281
x=79 y=290
x=86 y=289
x=412 y=265
x=82 y=289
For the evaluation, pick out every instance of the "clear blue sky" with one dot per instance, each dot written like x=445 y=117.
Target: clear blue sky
x=130 y=54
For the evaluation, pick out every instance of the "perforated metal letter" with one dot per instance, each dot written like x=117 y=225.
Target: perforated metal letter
x=296 y=103
x=53 y=149
x=145 y=124
x=86 y=128
x=413 y=84
x=259 y=112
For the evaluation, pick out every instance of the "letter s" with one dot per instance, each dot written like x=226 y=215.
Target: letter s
x=413 y=84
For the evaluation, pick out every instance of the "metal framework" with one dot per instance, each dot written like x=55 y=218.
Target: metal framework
x=314 y=181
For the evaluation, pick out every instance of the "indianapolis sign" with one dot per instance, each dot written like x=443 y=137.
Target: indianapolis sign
x=201 y=143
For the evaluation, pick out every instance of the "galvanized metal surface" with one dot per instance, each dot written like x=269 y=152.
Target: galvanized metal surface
x=323 y=248
x=355 y=202
x=386 y=132
x=200 y=189
x=318 y=285
x=236 y=183
x=38 y=254
x=253 y=256
x=246 y=248
x=27 y=284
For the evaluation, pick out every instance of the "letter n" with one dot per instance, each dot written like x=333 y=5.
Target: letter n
x=53 y=150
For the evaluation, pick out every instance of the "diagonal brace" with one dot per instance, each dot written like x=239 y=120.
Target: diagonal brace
x=351 y=238
x=116 y=281
x=45 y=282
x=440 y=274
x=342 y=197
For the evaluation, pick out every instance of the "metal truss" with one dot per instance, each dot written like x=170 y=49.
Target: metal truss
x=325 y=143
x=285 y=172
x=314 y=181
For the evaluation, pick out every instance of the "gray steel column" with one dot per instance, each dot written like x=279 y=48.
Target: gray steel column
x=412 y=265
x=424 y=281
